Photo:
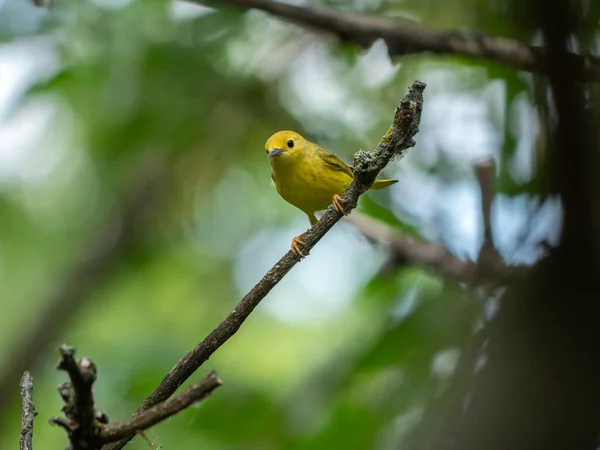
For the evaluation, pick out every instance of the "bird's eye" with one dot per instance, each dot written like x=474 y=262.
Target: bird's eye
x=290 y=143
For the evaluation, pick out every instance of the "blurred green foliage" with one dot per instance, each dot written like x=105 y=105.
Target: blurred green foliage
x=198 y=92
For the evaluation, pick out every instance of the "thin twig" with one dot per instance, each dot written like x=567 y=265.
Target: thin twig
x=404 y=39
x=160 y=412
x=486 y=173
x=28 y=411
x=367 y=166
x=63 y=423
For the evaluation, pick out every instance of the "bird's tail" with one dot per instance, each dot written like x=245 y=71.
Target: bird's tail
x=382 y=184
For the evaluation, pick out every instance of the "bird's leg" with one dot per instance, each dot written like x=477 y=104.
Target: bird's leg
x=338 y=204
x=297 y=245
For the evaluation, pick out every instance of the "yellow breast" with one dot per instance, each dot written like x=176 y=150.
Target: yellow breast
x=307 y=182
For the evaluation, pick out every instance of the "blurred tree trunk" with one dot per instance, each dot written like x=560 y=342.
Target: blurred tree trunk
x=540 y=386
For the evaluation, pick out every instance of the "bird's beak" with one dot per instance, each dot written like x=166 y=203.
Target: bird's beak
x=275 y=152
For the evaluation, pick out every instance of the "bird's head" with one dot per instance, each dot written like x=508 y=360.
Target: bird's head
x=285 y=144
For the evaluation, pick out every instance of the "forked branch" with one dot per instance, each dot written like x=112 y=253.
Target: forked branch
x=88 y=428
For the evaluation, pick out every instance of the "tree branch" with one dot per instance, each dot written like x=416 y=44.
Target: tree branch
x=406 y=250
x=28 y=411
x=88 y=429
x=367 y=166
x=489 y=267
x=160 y=412
x=404 y=39
x=79 y=401
x=436 y=257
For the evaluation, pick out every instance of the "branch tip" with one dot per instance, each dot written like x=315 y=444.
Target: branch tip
x=485 y=170
x=63 y=423
x=157 y=413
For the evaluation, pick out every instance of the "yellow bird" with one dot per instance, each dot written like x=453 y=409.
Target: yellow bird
x=308 y=176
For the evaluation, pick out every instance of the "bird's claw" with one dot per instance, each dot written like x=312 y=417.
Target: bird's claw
x=338 y=204
x=297 y=245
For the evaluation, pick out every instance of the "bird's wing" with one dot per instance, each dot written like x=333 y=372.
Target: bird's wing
x=333 y=161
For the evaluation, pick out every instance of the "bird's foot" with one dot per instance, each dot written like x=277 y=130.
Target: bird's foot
x=297 y=246
x=338 y=204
